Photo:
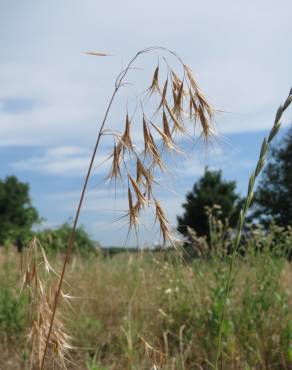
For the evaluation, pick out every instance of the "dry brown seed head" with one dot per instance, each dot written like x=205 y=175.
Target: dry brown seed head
x=197 y=95
x=204 y=103
x=190 y=77
x=145 y=176
x=166 y=128
x=156 y=156
x=174 y=94
x=143 y=171
x=180 y=94
x=178 y=102
x=115 y=171
x=155 y=84
x=166 y=139
x=177 y=126
x=176 y=81
x=132 y=212
x=126 y=138
x=191 y=108
x=163 y=222
x=146 y=135
x=194 y=105
x=42 y=295
x=140 y=196
x=150 y=147
x=204 y=122
x=163 y=95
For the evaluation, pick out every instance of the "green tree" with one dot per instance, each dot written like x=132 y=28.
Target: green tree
x=56 y=240
x=17 y=215
x=210 y=190
x=273 y=198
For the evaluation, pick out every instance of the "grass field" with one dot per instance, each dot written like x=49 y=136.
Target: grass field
x=137 y=311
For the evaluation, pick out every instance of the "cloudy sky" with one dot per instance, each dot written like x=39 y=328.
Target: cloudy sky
x=53 y=95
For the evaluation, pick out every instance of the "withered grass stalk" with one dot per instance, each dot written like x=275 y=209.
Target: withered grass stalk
x=39 y=282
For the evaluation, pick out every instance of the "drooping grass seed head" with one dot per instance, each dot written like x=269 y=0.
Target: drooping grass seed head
x=38 y=282
x=178 y=102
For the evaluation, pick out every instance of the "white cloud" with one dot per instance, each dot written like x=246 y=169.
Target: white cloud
x=190 y=167
x=72 y=161
x=230 y=45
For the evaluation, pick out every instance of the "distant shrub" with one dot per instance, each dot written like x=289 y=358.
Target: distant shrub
x=17 y=215
x=55 y=240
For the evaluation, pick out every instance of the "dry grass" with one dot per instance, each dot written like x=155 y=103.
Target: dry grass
x=136 y=311
x=40 y=283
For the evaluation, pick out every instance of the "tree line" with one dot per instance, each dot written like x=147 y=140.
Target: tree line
x=272 y=200
x=272 y=203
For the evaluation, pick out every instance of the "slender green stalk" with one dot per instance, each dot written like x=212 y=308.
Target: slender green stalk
x=261 y=161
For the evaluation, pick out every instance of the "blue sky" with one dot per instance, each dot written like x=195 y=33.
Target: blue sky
x=52 y=95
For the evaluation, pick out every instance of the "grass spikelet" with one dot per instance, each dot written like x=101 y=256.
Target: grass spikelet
x=176 y=81
x=193 y=105
x=141 y=172
x=126 y=138
x=191 y=78
x=155 y=84
x=147 y=139
x=150 y=147
x=163 y=222
x=202 y=109
x=205 y=105
x=140 y=196
x=166 y=129
x=178 y=104
x=177 y=126
x=133 y=211
x=115 y=172
x=163 y=95
x=205 y=124
x=144 y=175
x=166 y=139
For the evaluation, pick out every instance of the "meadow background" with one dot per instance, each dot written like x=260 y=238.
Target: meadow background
x=145 y=306
x=141 y=309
